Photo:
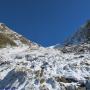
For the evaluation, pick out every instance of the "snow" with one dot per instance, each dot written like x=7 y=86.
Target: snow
x=47 y=62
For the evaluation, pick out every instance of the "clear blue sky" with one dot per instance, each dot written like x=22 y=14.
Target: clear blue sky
x=46 y=22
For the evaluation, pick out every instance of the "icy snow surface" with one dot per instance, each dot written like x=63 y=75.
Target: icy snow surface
x=42 y=69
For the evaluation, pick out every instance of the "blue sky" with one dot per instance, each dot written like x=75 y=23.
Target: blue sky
x=46 y=22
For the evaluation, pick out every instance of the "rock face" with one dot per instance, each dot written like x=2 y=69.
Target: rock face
x=28 y=66
x=81 y=36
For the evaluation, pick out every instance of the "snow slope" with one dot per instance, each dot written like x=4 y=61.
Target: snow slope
x=43 y=69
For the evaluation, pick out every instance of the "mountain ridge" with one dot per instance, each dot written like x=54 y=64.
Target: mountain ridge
x=15 y=38
x=82 y=35
x=80 y=38
x=33 y=67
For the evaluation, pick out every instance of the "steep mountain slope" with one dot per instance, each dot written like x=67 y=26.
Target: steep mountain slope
x=78 y=42
x=26 y=67
x=10 y=38
x=81 y=36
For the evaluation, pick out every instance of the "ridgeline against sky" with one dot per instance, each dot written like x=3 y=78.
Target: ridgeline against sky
x=46 y=22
